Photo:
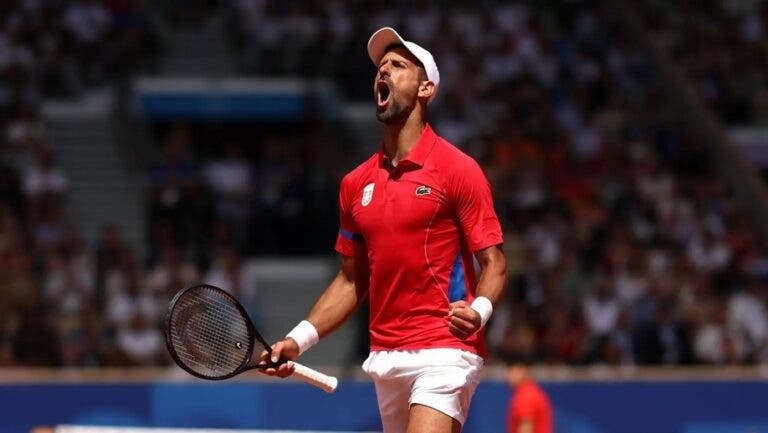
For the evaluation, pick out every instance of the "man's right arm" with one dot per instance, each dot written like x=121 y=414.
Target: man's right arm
x=343 y=295
x=337 y=303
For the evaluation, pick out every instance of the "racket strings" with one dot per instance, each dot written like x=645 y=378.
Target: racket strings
x=209 y=333
x=207 y=342
x=202 y=349
x=218 y=332
x=212 y=336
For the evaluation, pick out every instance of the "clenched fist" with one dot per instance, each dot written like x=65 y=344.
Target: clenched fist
x=464 y=321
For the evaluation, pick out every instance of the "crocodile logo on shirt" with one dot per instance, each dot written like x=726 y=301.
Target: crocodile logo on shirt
x=423 y=190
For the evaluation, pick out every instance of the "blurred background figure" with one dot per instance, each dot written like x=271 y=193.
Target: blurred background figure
x=530 y=410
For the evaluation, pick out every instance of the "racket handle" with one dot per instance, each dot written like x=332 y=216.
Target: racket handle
x=314 y=377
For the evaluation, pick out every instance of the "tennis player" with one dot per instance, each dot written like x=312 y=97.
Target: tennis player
x=414 y=216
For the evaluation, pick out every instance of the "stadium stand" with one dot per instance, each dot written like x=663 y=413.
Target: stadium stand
x=719 y=46
x=626 y=247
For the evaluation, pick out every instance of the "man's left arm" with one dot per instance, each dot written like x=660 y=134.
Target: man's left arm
x=465 y=318
x=471 y=195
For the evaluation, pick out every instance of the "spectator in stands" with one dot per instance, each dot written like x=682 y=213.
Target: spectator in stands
x=25 y=131
x=176 y=172
x=128 y=296
x=43 y=179
x=601 y=310
x=135 y=43
x=50 y=226
x=747 y=316
x=663 y=340
x=68 y=285
x=87 y=22
x=83 y=340
x=226 y=272
x=231 y=180
x=174 y=186
x=170 y=274
x=708 y=252
x=141 y=342
x=109 y=250
x=714 y=342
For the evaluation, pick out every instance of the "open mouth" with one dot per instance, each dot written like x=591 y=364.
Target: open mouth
x=382 y=94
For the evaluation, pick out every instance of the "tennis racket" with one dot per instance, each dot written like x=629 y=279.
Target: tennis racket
x=210 y=335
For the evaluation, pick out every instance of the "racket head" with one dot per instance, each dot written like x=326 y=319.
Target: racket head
x=208 y=333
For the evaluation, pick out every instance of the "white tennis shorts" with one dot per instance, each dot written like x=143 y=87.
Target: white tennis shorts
x=443 y=379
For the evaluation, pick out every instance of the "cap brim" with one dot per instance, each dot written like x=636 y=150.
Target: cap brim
x=379 y=41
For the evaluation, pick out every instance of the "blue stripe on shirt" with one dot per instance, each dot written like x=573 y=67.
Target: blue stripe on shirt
x=351 y=236
x=457 y=289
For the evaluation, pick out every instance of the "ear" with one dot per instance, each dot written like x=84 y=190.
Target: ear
x=426 y=89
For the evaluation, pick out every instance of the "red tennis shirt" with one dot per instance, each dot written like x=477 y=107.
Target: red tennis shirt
x=418 y=223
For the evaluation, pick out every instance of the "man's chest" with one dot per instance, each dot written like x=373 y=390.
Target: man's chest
x=408 y=203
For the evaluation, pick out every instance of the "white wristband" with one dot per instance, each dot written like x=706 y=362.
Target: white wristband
x=305 y=335
x=484 y=308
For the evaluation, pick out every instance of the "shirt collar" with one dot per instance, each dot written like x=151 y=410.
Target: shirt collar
x=418 y=154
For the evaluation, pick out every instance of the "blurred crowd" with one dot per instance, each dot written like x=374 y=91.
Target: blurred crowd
x=53 y=299
x=720 y=47
x=274 y=195
x=624 y=246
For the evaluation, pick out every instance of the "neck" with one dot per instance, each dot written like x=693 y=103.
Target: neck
x=400 y=137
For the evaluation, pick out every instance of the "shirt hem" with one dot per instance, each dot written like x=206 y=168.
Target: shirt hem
x=466 y=348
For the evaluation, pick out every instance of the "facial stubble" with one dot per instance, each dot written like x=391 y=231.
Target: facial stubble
x=393 y=112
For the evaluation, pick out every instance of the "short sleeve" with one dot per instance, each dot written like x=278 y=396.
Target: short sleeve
x=471 y=194
x=349 y=241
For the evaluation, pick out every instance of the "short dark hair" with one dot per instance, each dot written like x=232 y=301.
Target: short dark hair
x=422 y=72
x=522 y=359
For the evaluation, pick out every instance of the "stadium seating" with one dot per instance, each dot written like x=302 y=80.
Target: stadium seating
x=624 y=245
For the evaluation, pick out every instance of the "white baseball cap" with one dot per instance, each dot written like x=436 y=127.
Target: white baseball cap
x=387 y=36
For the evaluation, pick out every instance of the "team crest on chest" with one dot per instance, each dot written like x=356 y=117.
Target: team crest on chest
x=367 y=194
x=423 y=190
